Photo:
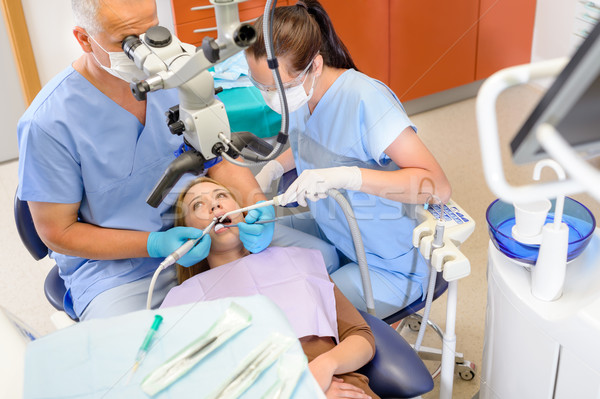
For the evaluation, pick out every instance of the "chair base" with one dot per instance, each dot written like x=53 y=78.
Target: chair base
x=465 y=369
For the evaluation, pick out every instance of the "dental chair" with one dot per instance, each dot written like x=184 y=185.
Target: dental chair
x=395 y=372
x=408 y=316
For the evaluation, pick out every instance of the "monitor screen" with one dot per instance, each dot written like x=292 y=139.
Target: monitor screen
x=571 y=105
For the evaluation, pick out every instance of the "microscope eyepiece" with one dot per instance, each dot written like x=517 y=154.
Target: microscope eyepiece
x=158 y=36
x=244 y=35
x=129 y=44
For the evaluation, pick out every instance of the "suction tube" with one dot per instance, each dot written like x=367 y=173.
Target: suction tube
x=438 y=242
x=361 y=256
x=282 y=137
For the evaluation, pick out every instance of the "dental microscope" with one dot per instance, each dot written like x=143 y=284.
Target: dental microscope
x=200 y=117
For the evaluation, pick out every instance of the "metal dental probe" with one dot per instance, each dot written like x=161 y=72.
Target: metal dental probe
x=220 y=226
x=275 y=201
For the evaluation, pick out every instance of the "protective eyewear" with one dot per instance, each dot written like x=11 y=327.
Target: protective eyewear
x=298 y=80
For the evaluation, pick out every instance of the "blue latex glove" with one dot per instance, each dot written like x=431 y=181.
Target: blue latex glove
x=257 y=237
x=161 y=244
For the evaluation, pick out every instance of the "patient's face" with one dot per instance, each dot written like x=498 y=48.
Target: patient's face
x=205 y=201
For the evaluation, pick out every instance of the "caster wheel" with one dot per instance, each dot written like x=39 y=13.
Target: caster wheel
x=466 y=371
x=414 y=325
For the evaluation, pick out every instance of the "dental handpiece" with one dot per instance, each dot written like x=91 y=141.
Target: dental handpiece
x=220 y=226
x=185 y=248
x=275 y=201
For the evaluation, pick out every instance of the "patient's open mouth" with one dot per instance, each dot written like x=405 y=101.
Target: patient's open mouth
x=222 y=224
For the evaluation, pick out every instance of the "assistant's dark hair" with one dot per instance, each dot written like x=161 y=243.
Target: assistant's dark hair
x=301 y=32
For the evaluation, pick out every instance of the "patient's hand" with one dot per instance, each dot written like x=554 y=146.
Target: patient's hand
x=322 y=368
x=340 y=389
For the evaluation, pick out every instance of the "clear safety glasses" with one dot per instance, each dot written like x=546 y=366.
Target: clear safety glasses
x=298 y=80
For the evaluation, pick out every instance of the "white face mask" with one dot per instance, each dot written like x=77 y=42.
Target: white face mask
x=296 y=97
x=121 y=66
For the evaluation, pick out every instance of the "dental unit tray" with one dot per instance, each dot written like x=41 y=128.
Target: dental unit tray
x=458 y=226
x=230 y=323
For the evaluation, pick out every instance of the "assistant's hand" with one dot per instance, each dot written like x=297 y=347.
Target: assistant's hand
x=161 y=244
x=341 y=389
x=271 y=171
x=313 y=184
x=257 y=237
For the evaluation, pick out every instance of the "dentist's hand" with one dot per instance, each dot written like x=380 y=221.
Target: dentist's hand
x=161 y=244
x=257 y=237
x=312 y=184
x=271 y=171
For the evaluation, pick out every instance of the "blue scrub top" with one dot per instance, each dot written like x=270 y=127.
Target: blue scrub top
x=352 y=125
x=77 y=145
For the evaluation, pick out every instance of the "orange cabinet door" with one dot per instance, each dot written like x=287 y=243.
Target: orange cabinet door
x=432 y=45
x=195 y=19
x=505 y=35
x=363 y=26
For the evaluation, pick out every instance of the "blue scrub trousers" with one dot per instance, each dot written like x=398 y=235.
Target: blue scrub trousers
x=392 y=291
x=130 y=297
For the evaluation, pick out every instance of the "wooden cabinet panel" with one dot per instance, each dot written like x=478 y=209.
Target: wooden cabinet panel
x=505 y=35
x=186 y=10
x=364 y=27
x=188 y=19
x=193 y=32
x=432 y=46
x=414 y=47
x=185 y=32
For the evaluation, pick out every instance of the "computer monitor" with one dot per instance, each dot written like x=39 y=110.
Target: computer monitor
x=571 y=105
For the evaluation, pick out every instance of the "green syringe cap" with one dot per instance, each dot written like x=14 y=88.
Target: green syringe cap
x=157 y=320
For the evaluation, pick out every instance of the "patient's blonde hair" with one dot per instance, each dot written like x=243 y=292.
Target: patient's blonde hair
x=183 y=273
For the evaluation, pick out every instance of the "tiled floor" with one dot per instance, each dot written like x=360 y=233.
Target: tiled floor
x=450 y=133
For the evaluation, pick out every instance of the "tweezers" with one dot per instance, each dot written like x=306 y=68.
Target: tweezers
x=253 y=365
x=187 y=358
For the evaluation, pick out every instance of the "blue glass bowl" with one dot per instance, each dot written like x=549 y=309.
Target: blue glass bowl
x=500 y=217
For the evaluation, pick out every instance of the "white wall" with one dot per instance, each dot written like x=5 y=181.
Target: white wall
x=50 y=23
x=552 y=33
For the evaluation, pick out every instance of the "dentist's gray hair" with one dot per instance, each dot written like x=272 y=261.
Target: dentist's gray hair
x=85 y=13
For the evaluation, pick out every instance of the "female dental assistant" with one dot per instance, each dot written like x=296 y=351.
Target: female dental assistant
x=349 y=132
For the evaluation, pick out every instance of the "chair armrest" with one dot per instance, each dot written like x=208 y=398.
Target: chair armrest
x=396 y=370
x=54 y=288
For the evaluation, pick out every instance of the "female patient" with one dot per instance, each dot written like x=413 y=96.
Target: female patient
x=332 y=365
